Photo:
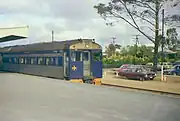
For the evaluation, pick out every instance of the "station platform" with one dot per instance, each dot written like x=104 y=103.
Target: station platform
x=32 y=98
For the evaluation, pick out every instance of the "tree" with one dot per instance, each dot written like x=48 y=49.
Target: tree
x=132 y=11
x=172 y=41
x=145 y=51
x=142 y=51
x=110 y=50
x=173 y=20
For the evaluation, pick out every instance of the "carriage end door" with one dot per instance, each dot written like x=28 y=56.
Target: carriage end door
x=86 y=63
x=66 y=64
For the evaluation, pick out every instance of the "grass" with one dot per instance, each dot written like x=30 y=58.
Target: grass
x=170 y=78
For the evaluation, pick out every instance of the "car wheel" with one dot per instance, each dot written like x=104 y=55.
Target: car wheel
x=126 y=77
x=151 y=78
x=141 y=78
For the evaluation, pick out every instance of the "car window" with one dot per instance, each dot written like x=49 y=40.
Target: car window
x=177 y=67
x=138 y=70
x=132 y=70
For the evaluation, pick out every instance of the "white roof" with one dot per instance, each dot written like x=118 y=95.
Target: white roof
x=17 y=31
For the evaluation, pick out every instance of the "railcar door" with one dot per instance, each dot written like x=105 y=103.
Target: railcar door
x=66 y=63
x=1 y=61
x=86 y=63
x=96 y=63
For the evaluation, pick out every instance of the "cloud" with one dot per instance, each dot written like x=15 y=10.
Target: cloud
x=69 y=19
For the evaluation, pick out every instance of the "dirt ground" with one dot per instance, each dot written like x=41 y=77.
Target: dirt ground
x=172 y=84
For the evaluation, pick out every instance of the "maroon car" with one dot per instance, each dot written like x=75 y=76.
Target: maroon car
x=121 y=69
x=138 y=72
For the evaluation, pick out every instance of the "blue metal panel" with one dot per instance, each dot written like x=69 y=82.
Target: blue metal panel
x=76 y=69
x=60 y=61
x=96 y=68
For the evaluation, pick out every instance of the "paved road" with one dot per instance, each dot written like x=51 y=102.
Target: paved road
x=30 y=98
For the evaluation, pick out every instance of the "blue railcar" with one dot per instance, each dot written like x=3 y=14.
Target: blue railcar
x=74 y=60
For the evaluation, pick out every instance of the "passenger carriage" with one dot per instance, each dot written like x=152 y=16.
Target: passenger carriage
x=74 y=60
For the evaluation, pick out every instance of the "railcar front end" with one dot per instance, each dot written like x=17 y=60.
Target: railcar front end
x=84 y=66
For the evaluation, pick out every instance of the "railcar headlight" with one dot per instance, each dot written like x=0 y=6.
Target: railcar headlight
x=87 y=45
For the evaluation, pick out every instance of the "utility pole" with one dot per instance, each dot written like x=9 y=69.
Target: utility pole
x=137 y=41
x=52 y=35
x=136 y=44
x=113 y=42
x=163 y=39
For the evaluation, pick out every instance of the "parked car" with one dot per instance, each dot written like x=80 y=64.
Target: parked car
x=138 y=72
x=167 y=65
x=176 y=63
x=174 y=71
x=122 y=68
x=149 y=65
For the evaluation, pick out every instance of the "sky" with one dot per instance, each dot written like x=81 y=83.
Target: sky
x=69 y=19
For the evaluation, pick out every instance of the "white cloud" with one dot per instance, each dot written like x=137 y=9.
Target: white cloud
x=70 y=19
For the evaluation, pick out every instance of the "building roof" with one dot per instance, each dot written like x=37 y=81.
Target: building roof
x=13 y=33
x=10 y=38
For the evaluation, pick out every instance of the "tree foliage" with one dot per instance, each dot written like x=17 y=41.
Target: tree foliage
x=142 y=51
x=172 y=40
x=132 y=11
x=111 y=49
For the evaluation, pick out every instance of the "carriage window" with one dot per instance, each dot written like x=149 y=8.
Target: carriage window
x=96 y=56
x=56 y=61
x=40 y=61
x=33 y=60
x=10 y=60
x=73 y=56
x=52 y=61
x=86 y=56
x=21 y=60
x=47 y=61
x=5 y=60
x=78 y=56
x=28 y=60
x=14 y=60
x=25 y=60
